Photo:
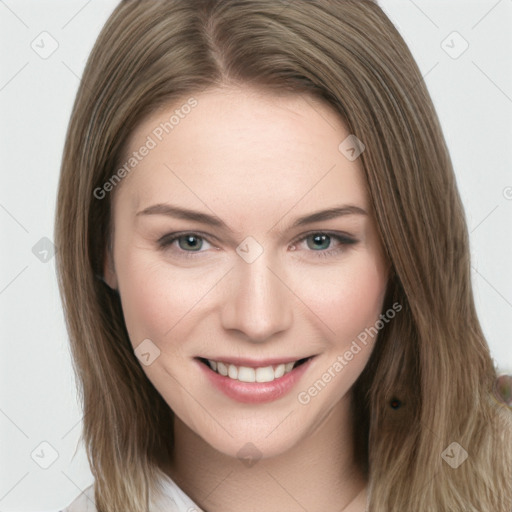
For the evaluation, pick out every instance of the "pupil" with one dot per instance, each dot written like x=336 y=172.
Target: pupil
x=192 y=241
x=320 y=239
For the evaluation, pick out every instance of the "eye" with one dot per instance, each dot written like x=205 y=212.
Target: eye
x=320 y=242
x=188 y=243
x=191 y=244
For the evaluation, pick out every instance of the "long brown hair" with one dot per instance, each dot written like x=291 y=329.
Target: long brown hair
x=429 y=381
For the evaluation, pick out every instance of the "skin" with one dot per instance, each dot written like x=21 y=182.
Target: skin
x=257 y=161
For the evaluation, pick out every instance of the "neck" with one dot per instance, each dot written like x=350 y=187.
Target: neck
x=314 y=474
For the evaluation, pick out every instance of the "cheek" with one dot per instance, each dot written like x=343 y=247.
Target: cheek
x=155 y=296
x=161 y=301
x=347 y=299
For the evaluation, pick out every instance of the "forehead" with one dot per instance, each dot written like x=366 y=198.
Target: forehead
x=245 y=148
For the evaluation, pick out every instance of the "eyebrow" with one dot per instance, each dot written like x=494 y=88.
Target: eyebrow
x=194 y=215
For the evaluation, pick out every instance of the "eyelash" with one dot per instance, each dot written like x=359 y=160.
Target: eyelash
x=167 y=240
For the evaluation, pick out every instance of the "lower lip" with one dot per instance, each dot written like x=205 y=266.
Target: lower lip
x=255 y=392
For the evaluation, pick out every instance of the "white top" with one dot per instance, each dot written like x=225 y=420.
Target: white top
x=173 y=499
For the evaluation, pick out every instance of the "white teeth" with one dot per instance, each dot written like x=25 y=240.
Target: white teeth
x=232 y=371
x=266 y=374
x=221 y=368
x=279 y=371
x=246 y=374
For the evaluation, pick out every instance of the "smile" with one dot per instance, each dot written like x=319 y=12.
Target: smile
x=254 y=384
x=247 y=374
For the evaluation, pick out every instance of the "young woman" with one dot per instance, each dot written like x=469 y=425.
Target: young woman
x=265 y=269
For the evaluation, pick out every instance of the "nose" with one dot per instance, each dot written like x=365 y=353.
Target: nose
x=259 y=302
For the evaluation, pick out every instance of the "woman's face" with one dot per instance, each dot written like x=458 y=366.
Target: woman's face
x=254 y=273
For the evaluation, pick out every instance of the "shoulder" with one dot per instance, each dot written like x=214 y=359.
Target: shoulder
x=170 y=498
x=83 y=503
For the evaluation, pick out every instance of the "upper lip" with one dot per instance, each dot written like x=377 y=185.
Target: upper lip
x=253 y=363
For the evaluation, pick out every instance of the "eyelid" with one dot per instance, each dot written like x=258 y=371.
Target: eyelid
x=170 y=237
x=344 y=240
x=345 y=237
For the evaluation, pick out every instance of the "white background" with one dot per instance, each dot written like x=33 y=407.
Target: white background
x=473 y=97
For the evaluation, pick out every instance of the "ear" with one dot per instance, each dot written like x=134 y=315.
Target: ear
x=109 y=271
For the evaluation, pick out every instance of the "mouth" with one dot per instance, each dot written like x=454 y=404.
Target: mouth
x=242 y=373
